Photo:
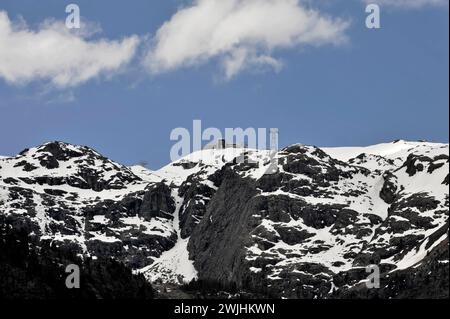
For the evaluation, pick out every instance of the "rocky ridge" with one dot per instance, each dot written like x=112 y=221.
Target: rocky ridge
x=307 y=231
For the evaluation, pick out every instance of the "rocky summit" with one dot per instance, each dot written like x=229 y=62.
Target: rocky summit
x=215 y=219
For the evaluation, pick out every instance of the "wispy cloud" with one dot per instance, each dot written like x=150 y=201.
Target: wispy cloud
x=55 y=54
x=241 y=34
x=410 y=4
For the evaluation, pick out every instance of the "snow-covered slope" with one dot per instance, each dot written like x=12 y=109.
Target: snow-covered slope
x=74 y=196
x=306 y=230
x=385 y=154
x=388 y=150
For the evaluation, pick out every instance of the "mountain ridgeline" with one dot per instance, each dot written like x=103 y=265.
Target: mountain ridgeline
x=209 y=224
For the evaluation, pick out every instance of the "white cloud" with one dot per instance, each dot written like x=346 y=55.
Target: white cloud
x=241 y=34
x=53 y=53
x=409 y=4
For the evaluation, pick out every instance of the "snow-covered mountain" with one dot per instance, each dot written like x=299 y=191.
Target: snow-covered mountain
x=306 y=231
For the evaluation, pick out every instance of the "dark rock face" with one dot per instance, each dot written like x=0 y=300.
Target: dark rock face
x=446 y=180
x=292 y=235
x=298 y=161
x=157 y=202
x=390 y=188
x=196 y=196
x=226 y=221
x=413 y=164
x=59 y=151
x=233 y=217
x=130 y=221
x=27 y=167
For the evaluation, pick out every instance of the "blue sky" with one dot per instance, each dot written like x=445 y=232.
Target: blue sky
x=371 y=87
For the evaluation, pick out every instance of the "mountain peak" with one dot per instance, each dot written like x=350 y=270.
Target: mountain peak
x=59 y=150
x=60 y=163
